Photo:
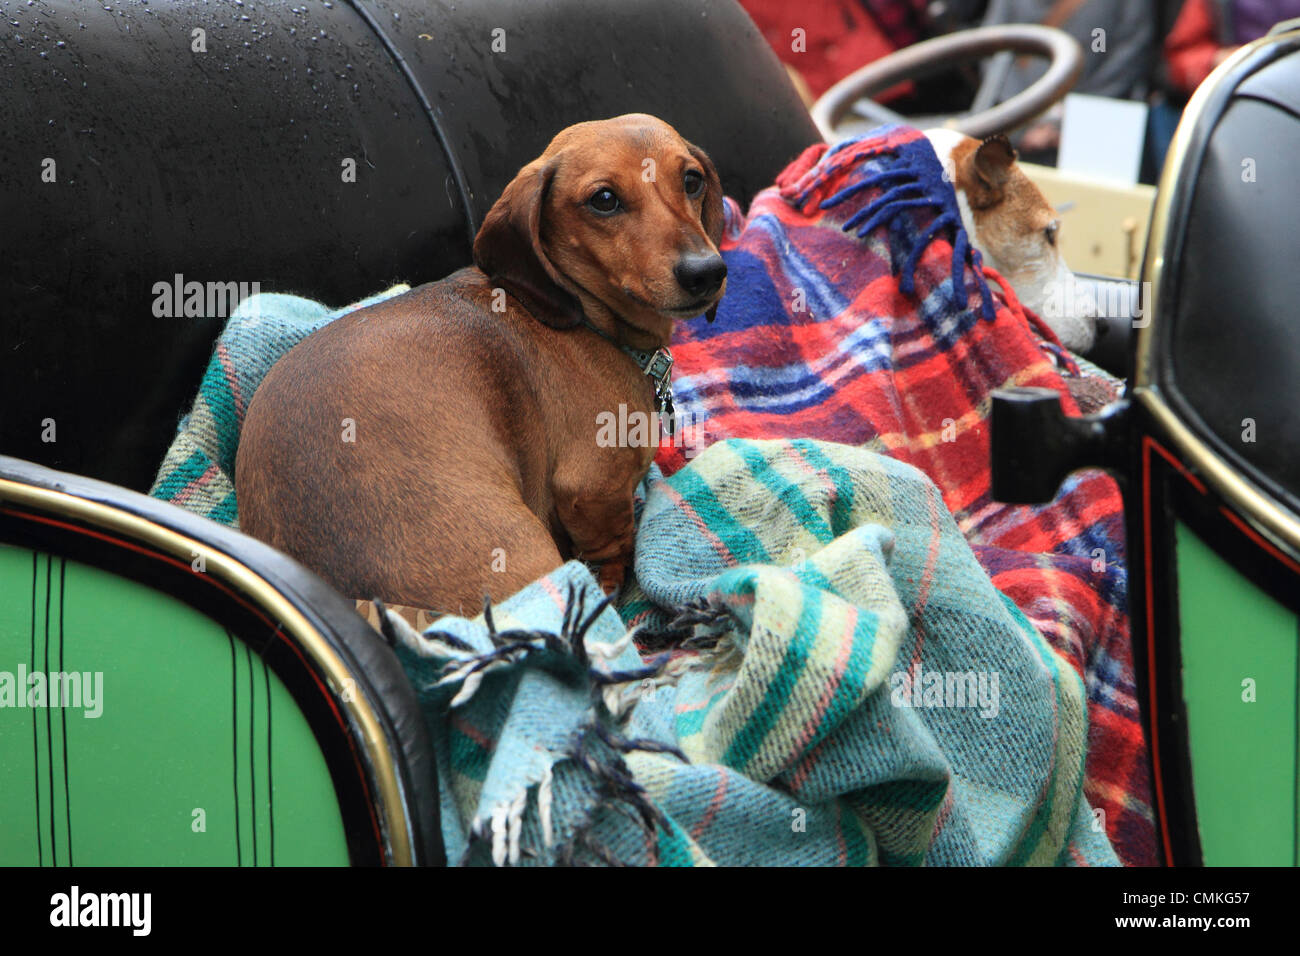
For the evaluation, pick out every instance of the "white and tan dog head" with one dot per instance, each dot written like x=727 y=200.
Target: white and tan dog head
x=1011 y=223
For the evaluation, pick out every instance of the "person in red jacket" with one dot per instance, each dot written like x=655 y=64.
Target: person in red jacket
x=822 y=41
x=1208 y=31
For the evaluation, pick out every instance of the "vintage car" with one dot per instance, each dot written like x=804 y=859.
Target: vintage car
x=198 y=143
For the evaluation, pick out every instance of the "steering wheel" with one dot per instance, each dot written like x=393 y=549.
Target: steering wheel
x=985 y=116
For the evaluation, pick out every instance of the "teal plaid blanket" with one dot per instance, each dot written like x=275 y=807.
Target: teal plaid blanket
x=849 y=688
x=844 y=685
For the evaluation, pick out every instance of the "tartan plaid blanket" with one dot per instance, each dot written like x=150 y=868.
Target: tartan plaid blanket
x=856 y=312
x=852 y=689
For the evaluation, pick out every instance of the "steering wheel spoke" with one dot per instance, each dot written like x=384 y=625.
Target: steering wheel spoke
x=1065 y=56
x=877 y=113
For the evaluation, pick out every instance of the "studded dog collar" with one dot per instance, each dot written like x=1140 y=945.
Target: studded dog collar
x=658 y=367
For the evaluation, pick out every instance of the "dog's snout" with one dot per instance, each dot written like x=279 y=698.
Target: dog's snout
x=700 y=275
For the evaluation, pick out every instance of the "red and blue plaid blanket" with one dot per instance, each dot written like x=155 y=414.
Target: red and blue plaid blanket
x=859 y=313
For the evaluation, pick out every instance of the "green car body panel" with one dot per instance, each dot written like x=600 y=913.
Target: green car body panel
x=232 y=775
x=1239 y=651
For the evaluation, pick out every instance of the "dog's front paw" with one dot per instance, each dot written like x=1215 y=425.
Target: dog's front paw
x=611 y=576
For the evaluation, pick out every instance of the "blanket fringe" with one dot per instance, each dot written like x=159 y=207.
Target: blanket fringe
x=598 y=748
x=916 y=182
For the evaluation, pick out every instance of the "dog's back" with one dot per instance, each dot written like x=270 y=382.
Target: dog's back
x=340 y=423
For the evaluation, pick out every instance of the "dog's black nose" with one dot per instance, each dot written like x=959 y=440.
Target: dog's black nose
x=700 y=275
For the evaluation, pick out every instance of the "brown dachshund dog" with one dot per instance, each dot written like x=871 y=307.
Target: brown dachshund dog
x=470 y=465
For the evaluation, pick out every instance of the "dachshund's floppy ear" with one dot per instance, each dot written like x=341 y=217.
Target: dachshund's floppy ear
x=508 y=248
x=711 y=217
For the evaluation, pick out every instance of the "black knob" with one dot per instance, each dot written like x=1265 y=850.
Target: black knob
x=1035 y=445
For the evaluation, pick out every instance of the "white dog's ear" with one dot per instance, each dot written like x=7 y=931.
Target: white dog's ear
x=992 y=164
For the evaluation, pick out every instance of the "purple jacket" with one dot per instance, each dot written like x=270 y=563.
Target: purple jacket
x=1248 y=20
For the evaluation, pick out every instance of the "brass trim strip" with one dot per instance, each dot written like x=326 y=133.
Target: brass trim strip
x=1280 y=523
x=248 y=582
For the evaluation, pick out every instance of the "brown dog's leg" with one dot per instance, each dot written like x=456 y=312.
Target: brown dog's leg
x=500 y=548
x=600 y=524
x=602 y=533
x=522 y=551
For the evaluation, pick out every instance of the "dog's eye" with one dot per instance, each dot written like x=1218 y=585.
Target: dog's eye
x=1050 y=232
x=694 y=182
x=604 y=202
